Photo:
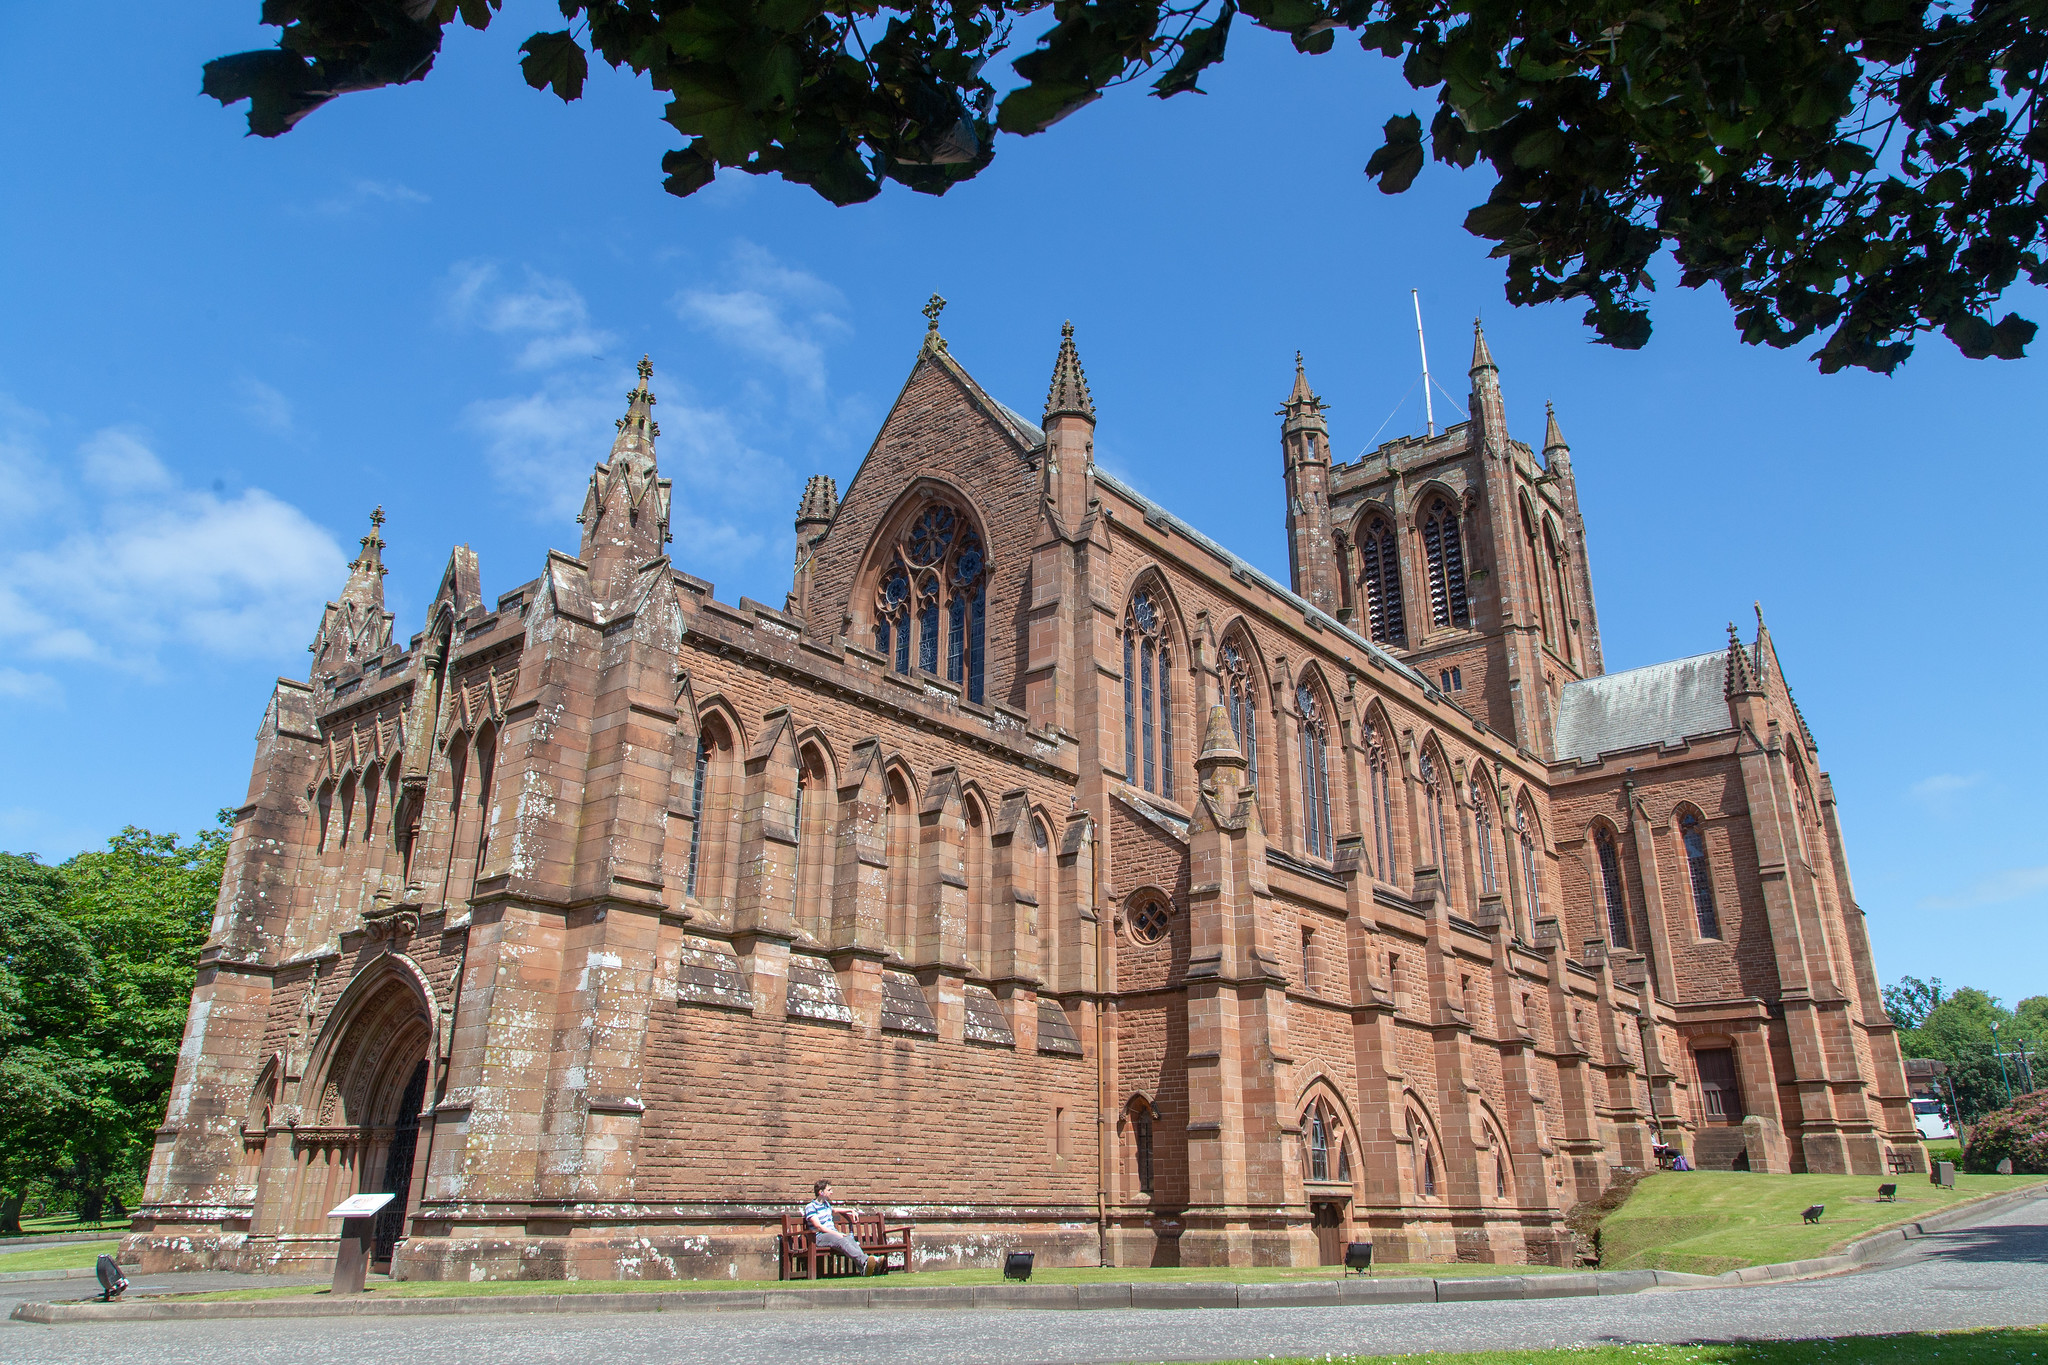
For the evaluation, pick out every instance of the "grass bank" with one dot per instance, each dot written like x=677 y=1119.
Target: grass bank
x=69 y=1256
x=1705 y=1222
x=436 y=1289
x=1994 y=1346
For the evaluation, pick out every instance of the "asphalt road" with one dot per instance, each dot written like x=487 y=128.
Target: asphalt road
x=1987 y=1275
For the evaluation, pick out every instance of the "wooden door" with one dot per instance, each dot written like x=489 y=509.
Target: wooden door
x=1329 y=1225
x=1720 y=1096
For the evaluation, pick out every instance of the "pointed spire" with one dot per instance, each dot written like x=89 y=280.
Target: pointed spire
x=821 y=500
x=1553 y=438
x=1482 y=357
x=366 y=571
x=626 y=510
x=1304 y=406
x=1742 y=680
x=1219 y=744
x=1069 y=391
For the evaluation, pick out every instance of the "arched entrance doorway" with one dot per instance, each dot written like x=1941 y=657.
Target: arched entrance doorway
x=375 y=1071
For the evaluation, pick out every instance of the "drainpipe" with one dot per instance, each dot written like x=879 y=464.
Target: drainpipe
x=1103 y=1131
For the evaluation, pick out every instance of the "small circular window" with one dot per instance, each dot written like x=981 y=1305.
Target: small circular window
x=1148 y=921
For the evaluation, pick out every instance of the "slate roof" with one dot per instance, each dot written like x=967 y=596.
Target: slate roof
x=1660 y=704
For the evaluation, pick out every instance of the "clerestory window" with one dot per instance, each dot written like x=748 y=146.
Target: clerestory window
x=1611 y=887
x=1148 y=697
x=1702 y=874
x=1237 y=700
x=1315 y=775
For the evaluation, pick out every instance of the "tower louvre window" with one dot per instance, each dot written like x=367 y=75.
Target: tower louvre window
x=1611 y=888
x=935 y=585
x=1379 y=581
x=1148 y=697
x=1702 y=874
x=1445 y=550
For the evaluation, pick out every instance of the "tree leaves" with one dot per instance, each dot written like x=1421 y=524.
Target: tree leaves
x=554 y=60
x=1859 y=171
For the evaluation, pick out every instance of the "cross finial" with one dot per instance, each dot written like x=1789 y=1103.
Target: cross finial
x=933 y=307
x=377 y=516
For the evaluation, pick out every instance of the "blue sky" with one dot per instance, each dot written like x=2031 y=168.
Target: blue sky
x=219 y=352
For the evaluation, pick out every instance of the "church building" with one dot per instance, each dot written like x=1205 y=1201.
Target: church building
x=1039 y=872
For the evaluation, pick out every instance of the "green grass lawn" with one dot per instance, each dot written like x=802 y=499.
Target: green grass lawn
x=1995 y=1346
x=434 y=1289
x=1706 y=1222
x=61 y=1224
x=69 y=1256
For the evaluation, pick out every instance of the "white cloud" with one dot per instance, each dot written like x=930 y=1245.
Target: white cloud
x=772 y=312
x=264 y=406
x=2001 y=888
x=1942 y=793
x=548 y=315
x=38 y=688
x=362 y=193
x=145 y=564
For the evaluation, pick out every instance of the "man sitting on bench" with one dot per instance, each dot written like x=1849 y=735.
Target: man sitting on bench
x=818 y=1216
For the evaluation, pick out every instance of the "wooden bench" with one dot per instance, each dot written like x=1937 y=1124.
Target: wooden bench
x=1901 y=1162
x=803 y=1259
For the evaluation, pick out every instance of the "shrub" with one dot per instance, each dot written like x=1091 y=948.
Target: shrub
x=2019 y=1131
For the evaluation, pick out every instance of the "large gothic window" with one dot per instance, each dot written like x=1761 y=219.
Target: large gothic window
x=1315 y=774
x=1482 y=837
x=1380 y=791
x=1325 y=1153
x=1610 y=886
x=1237 y=700
x=1148 y=697
x=932 y=604
x=1379 y=582
x=1702 y=874
x=1445 y=551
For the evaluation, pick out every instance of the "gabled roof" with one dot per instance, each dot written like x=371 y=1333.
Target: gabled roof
x=1659 y=704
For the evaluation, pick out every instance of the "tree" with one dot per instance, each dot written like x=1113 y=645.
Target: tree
x=1866 y=170
x=1910 y=1000
x=1958 y=1031
x=96 y=963
x=47 y=975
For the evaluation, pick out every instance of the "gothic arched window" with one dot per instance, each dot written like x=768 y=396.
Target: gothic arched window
x=1379 y=790
x=1445 y=550
x=1379 y=582
x=1237 y=700
x=1148 y=697
x=1482 y=835
x=1315 y=774
x=1433 y=804
x=1702 y=872
x=1141 y=1143
x=697 y=810
x=1531 y=881
x=1422 y=1161
x=935 y=588
x=1610 y=886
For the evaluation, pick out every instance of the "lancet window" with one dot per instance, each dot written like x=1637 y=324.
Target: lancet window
x=1422 y=1161
x=1148 y=696
x=931 y=609
x=1237 y=700
x=1444 y=548
x=1702 y=874
x=1531 y=880
x=1482 y=835
x=1433 y=804
x=697 y=811
x=1379 y=582
x=1315 y=774
x=1379 y=790
x=1325 y=1155
x=1611 y=887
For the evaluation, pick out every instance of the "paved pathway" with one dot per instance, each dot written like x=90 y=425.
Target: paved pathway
x=1994 y=1273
